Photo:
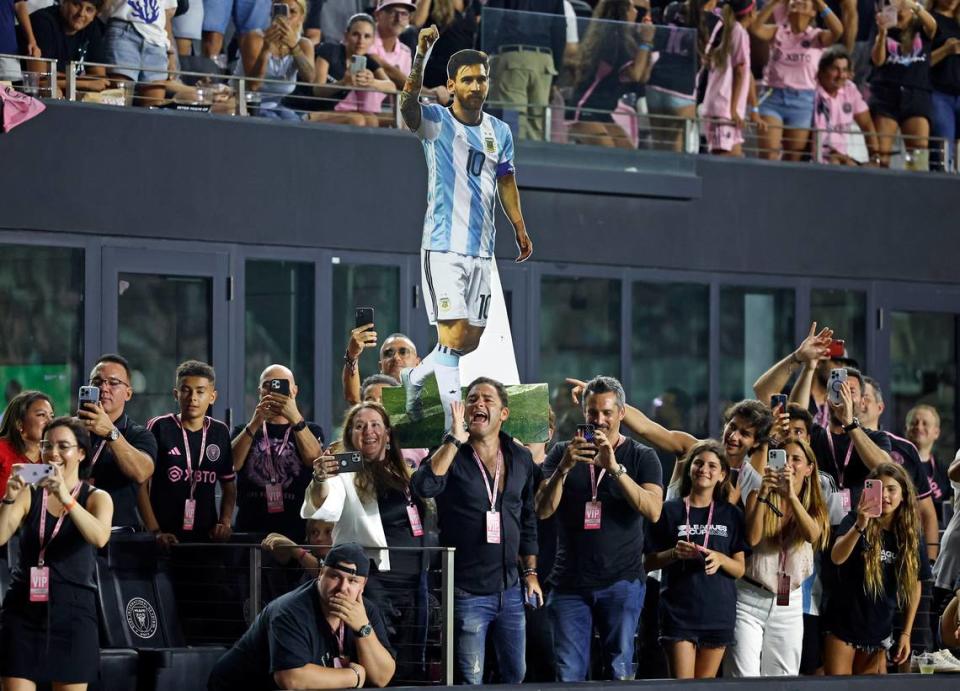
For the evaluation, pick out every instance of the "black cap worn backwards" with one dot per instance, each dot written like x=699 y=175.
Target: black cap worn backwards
x=348 y=553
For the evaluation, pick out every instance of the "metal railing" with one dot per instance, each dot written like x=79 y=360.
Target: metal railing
x=639 y=128
x=219 y=595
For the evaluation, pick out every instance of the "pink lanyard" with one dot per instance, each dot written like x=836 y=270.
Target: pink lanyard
x=96 y=456
x=56 y=528
x=186 y=450
x=846 y=461
x=272 y=465
x=822 y=417
x=706 y=534
x=491 y=491
x=340 y=634
x=595 y=482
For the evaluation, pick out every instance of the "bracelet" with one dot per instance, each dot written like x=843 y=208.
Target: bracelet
x=71 y=506
x=9 y=501
x=300 y=552
x=351 y=363
x=300 y=426
x=246 y=428
x=529 y=572
x=645 y=46
x=863 y=532
x=754 y=109
x=319 y=479
x=825 y=12
x=358 y=676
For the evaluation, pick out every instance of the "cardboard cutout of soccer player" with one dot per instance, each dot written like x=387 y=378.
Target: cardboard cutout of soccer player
x=469 y=162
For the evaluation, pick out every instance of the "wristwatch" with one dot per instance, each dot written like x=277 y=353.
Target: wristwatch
x=300 y=426
x=852 y=426
x=621 y=469
x=450 y=439
x=114 y=434
x=364 y=630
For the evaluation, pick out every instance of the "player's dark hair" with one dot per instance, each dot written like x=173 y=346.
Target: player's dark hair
x=501 y=389
x=117 y=360
x=195 y=368
x=466 y=58
x=798 y=412
x=755 y=414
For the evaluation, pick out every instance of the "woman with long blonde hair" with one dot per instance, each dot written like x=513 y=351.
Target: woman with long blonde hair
x=787 y=519
x=882 y=561
x=373 y=505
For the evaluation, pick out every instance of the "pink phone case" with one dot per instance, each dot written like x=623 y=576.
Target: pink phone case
x=873 y=491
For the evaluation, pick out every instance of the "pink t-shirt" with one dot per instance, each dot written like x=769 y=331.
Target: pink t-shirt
x=716 y=100
x=794 y=59
x=372 y=101
x=835 y=114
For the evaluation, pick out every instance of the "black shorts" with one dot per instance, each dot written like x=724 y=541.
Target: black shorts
x=900 y=103
x=811 y=659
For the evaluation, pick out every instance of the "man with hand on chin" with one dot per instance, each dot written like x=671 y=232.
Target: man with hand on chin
x=323 y=635
x=273 y=456
x=484 y=483
x=602 y=488
x=123 y=451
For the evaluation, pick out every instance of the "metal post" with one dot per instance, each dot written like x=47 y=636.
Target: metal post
x=71 y=81
x=242 y=96
x=52 y=76
x=687 y=132
x=255 y=599
x=817 y=148
x=446 y=583
x=548 y=123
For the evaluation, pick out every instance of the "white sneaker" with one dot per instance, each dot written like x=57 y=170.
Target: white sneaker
x=945 y=662
x=950 y=657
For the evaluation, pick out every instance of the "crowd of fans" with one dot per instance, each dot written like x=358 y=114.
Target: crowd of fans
x=804 y=79
x=804 y=541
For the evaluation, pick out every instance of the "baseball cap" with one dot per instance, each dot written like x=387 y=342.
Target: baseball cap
x=384 y=4
x=348 y=553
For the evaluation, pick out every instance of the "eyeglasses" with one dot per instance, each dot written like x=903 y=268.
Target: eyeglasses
x=62 y=447
x=111 y=383
x=390 y=352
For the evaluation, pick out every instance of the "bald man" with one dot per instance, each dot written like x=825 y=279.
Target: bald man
x=273 y=456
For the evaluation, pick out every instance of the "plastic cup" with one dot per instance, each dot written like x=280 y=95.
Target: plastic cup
x=927 y=664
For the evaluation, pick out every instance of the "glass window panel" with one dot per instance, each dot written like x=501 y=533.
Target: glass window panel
x=279 y=327
x=756 y=330
x=670 y=354
x=579 y=337
x=923 y=369
x=844 y=311
x=361 y=285
x=161 y=321
x=41 y=319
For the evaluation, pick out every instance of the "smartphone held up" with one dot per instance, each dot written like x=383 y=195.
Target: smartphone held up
x=873 y=497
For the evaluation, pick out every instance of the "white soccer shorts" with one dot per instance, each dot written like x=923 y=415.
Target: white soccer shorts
x=455 y=286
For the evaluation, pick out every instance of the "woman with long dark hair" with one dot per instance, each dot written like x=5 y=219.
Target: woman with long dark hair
x=48 y=627
x=375 y=507
x=882 y=561
x=21 y=430
x=699 y=544
x=614 y=52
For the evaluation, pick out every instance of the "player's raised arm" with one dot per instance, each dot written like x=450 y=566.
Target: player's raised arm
x=410 y=96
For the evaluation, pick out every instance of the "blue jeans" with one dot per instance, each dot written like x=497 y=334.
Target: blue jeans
x=472 y=616
x=616 y=610
x=946 y=115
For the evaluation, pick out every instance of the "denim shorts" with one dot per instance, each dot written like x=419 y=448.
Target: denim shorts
x=792 y=107
x=125 y=46
x=665 y=102
x=248 y=15
x=190 y=24
x=868 y=647
x=707 y=638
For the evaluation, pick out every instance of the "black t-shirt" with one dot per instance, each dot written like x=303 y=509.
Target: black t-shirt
x=170 y=486
x=289 y=633
x=852 y=613
x=602 y=89
x=676 y=47
x=85 y=45
x=396 y=528
x=902 y=451
x=832 y=462
x=458 y=36
x=336 y=56
x=945 y=75
x=940 y=488
x=910 y=68
x=689 y=598
x=599 y=558
x=106 y=474
x=283 y=465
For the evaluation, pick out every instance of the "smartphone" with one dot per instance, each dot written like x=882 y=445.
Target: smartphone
x=349 y=462
x=358 y=63
x=586 y=431
x=778 y=399
x=363 y=316
x=279 y=9
x=88 y=394
x=280 y=386
x=836 y=349
x=837 y=378
x=873 y=492
x=777 y=459
x=32 y=473
x=888 y=16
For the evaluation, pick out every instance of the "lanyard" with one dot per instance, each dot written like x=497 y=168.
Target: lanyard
x=186 y=450
x=491 y=491
x=43 y=522
x=846 y=461
x=595 y=481
x=706 y=534
x=340 y=634
x=822 y=417
x=93 y=462
x=272 y=466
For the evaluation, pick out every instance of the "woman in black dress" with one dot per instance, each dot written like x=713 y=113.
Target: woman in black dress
x=49 y=618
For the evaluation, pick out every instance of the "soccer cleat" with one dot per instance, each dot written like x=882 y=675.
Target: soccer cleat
x=414 y=404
